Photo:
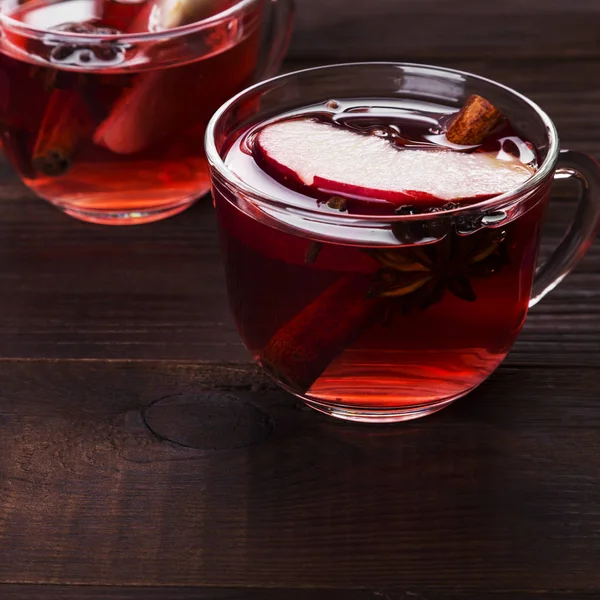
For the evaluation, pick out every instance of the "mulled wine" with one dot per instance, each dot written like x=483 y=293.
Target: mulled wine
x=107 y=127
x=391 y=318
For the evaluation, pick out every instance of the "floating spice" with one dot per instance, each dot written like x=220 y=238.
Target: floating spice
x=338 y=203
x=474 y=122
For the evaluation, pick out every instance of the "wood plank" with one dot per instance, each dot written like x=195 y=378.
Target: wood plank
x=19 y=592
x=87 y=290
x=60 y=592
x=497 y=493
x=426 y=30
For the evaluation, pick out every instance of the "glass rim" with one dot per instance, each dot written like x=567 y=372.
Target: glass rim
x=532 y=183
x=148 y=36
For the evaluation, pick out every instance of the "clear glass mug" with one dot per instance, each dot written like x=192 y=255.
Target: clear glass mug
x=300 y=281
x=109 y=127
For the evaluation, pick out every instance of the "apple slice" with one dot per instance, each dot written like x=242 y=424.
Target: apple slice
x=166 y=14
x=150 y=110
x=322 y=160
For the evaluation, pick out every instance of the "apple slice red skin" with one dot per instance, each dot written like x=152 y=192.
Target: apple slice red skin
x=361 y=200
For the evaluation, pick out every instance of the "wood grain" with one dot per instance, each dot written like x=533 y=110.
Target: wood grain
x=498 y=492
x=19 y=592
x=419 y=30
x=60 y=592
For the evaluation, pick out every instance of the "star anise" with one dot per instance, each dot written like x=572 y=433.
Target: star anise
x=420 y=276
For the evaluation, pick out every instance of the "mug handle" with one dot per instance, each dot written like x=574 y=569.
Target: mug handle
x=279 y=19
x=582 y=229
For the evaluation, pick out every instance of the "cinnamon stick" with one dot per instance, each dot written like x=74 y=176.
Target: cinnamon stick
x=59 y=133
x=304 y=347
x=299 y=353
x=474 y=122
x=312 y=252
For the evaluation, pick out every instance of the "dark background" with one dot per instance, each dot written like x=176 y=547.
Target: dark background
x=497 y=497
x=438 y=30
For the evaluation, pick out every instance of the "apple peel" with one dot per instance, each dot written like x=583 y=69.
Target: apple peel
x=146 y=112
x=322 y=159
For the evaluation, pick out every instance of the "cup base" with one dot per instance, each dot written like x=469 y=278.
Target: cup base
x=379 y=415
x=128 y=216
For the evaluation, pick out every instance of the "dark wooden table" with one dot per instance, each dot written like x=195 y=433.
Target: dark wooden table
x=497 y=497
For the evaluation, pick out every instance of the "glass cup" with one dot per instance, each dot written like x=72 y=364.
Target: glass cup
x=300 y=282
x=109 y=127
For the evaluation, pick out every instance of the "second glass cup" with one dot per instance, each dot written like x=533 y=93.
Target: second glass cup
x=387 y=318
x=109 y=126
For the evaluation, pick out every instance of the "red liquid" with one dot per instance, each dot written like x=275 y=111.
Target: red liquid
x=115 y=134
x=320 y=325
